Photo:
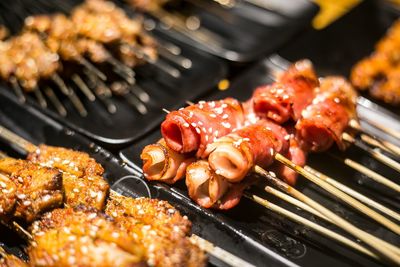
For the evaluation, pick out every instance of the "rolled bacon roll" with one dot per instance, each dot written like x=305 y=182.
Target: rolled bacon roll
x=211 y=190
x=324 y=121
x=160 y=163
x=192 y=128
x=235 y=154
x=286 y=98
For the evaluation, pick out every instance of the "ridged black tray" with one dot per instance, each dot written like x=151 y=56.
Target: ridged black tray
x=165 y=91
x=276 y=233
x=248 y=32
x=38 y=128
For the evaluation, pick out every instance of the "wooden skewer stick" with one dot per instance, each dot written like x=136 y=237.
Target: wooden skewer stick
x=76 y=102
x=354 y=194
x=306 y=207
x=40 y=98
x=83 y=87
x=218 y=252
x=384 y=145
x=374 y=153
x=370 y=173
x=295 y=202
x=17 y=140
x=375 y=141
x=55 y=101
x=383 y=248
x=17 y=89
x=383 y=128
x=314 y=226
x=341 y=195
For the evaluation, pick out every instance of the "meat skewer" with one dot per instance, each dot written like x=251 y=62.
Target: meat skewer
x=120 y=29
x=92 y=238
x=86 y=165
x=280 y=64
x=37 y=189
x=190 y=170
x=165 y=236
x=194 y=127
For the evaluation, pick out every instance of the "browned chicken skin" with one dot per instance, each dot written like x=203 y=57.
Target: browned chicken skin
x=82 y=180
x=38 y=189
x=82 y=236
x=8 y=195
x=159 y=227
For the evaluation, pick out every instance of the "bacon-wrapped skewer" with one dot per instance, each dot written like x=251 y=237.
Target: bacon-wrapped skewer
x=286 y=98
x=235 y=154
x=324 y=121
x=211 y=190
x=163 y=164
x=192 y=128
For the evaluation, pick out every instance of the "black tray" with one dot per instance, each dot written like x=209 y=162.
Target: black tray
x=38 y=128
x=126 y=125
x=247 y=32
x=276 y=233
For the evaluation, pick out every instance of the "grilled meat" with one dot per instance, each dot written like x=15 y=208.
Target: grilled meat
x=82 y=180
x=160 y=163
x=159 y=227
x=38 y=189
x=31 y=58
x=8 y=195
x=82 y=236
x=147 y=5
x=379 y=73
x=67 y=160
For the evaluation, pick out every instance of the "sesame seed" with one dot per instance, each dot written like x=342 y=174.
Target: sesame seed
x=198 y=130
x=226 y=125
x=21 y=196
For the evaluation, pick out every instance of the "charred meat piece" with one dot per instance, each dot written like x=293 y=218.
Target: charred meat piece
x=91 y=190
x=67 y=160
x=235 y=154
x=285 y=99
x=211 y=190
x=82 y=236
x=327 y=117
x=82 y=180
x=38 y=188
x=160 y=163
x=159 y=227
x=191 y=129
